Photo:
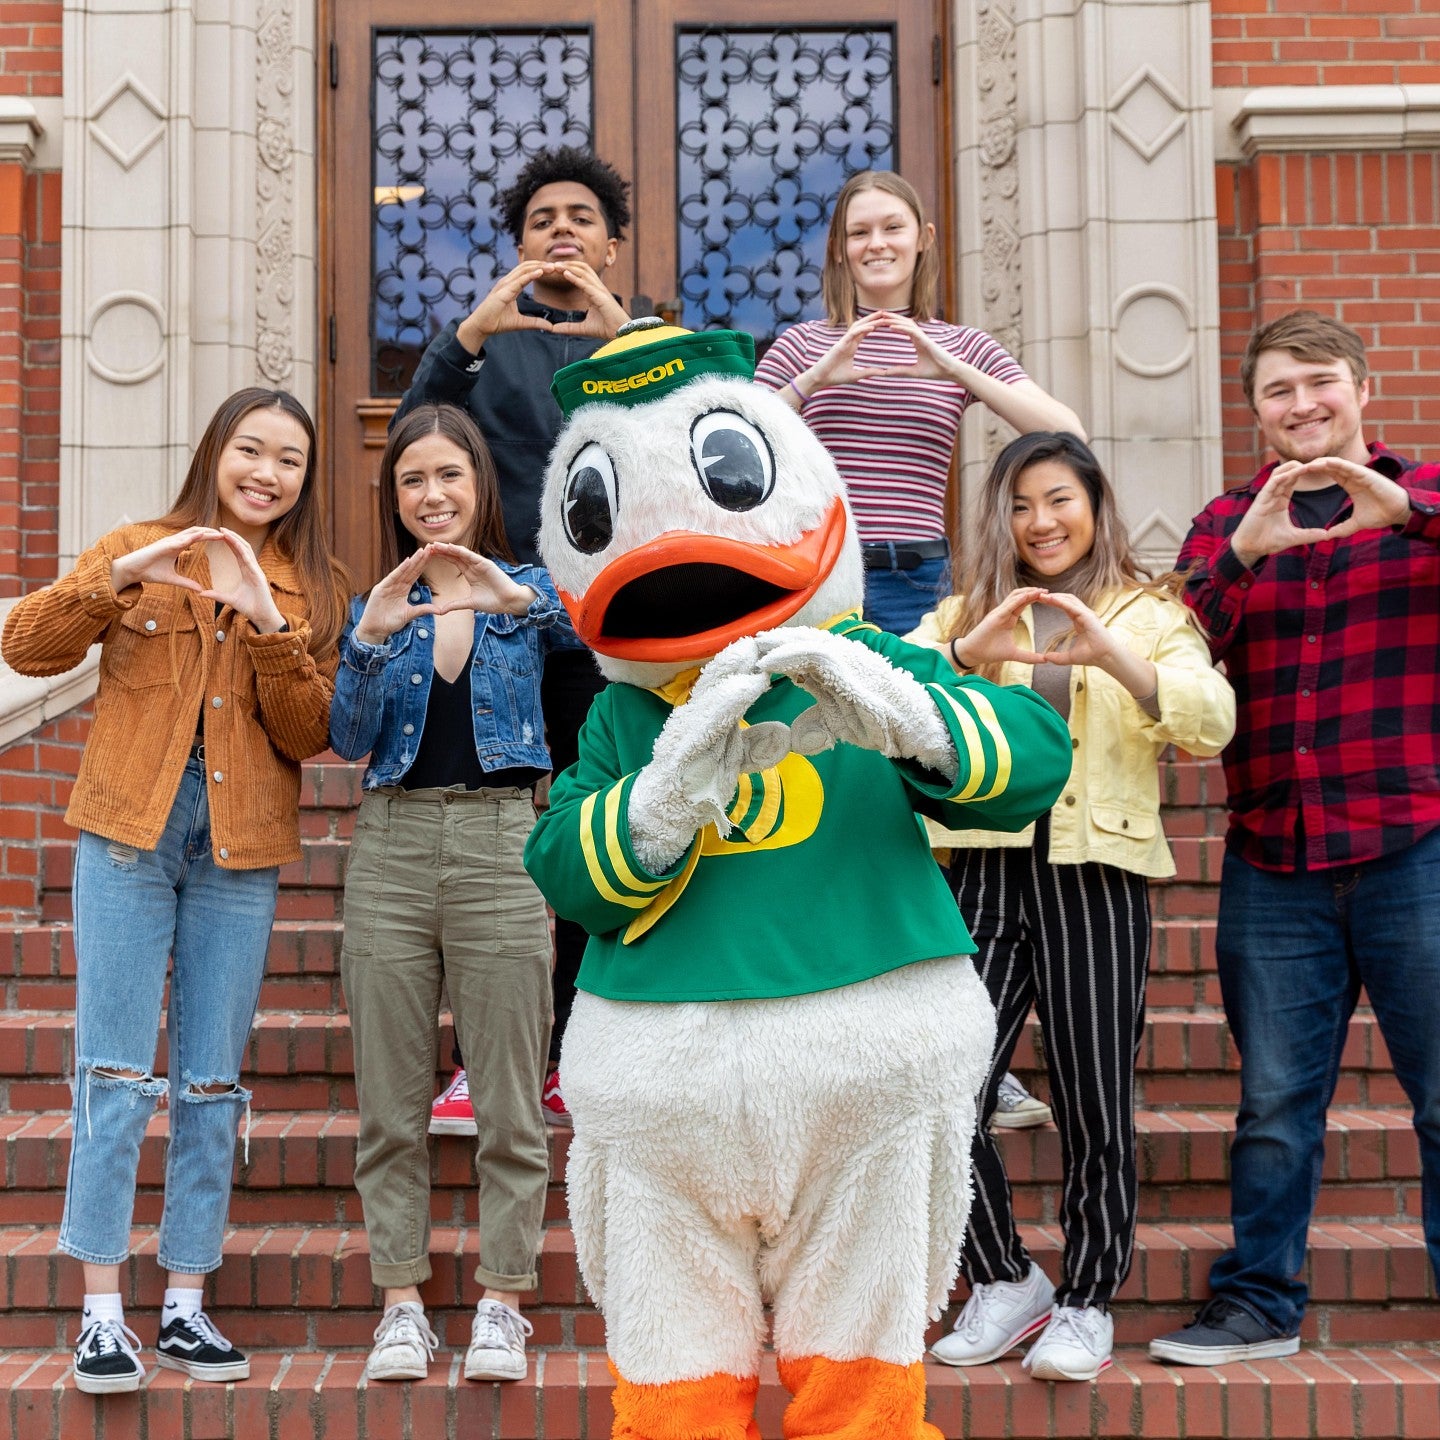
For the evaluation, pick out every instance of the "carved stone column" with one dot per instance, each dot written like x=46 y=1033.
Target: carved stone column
x=1101 y=162
x=188 y=236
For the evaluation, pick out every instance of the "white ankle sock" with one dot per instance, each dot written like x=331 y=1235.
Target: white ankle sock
x=103 y=1307
x=180 y=1305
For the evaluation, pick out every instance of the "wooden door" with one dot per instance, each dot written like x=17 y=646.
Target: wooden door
x=736 y=136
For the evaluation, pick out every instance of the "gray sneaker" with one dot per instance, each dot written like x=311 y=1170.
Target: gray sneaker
x=497 y=1343
x=1016 y=1108
x=1222 y=1332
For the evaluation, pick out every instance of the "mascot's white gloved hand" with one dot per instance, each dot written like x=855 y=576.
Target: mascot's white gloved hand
x=699 y=757
x=860 y=697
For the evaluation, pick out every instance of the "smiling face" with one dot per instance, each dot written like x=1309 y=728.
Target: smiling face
x=676 y=526
x=435 y=490
x=261 y=472
x=564 y=221
x=883 y=241
x=1051 y=518
x=1308 y=409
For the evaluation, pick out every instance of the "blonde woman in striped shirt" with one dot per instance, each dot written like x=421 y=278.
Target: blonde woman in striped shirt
x=884 y=383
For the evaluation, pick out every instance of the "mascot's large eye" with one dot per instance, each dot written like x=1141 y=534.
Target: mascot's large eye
x=733 y=460
x=591 y=499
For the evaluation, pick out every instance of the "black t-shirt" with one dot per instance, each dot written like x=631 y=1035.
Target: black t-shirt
x=1315 y=509
x=447 y=757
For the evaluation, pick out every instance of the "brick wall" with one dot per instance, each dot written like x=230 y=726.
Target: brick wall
x=33 y=559
x=30 y=47
x=36 y=776
x=30 y=65
x=1355 y=235
x=1326 y=42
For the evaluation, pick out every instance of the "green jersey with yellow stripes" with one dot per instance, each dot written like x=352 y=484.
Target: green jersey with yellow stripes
x=826 y=877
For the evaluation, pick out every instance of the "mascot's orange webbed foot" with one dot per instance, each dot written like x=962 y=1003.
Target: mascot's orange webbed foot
x=855 y=1400
x=719 y=1407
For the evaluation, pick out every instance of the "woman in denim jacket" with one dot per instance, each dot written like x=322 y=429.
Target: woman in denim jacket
x=439 y=682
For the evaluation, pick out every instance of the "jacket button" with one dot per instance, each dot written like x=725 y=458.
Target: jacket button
x=220 y=636
x=415 y=679
x=409 y=729
x=1069 y=799
x=414 y=597
x=423 y=633
x=149 y=624
x=217 y=702
x=224 y=853
x=219 y=776
x=1124 y=824
x=1074 y=743
x=1079 y=685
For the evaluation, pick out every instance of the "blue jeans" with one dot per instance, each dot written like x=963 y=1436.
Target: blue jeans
x=1293 y=952
x=134 y=909
x=896 y=599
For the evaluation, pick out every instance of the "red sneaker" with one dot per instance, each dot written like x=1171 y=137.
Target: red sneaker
x=552 y=1102
x=451 y=1113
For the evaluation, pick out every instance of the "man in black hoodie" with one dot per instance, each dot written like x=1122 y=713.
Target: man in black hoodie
x=567 y=212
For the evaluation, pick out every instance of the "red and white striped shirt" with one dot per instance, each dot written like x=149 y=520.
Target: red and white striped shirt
x=892 y=437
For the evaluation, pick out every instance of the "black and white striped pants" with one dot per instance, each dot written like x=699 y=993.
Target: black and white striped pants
x=1075 y=941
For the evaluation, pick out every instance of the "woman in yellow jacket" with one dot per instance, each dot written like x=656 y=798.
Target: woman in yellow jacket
x=1050 y=595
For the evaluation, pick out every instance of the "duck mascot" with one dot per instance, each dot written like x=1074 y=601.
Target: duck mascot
x=773 y=1059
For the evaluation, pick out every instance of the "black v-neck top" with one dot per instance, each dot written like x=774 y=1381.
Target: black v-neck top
x=447 y=757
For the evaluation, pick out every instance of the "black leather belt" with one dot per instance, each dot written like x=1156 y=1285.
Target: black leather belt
x=903 y=554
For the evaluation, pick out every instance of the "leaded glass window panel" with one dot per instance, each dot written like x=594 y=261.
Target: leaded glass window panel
x=456 y=116
x=771 y=122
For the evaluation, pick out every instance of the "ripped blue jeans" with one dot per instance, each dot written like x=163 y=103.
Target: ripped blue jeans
x=134 y=911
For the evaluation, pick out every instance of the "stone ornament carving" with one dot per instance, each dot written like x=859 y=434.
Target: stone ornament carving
x=123 y=322
x=275 y=193
x=127 y=121
x=1168 y=319
x=999 y=184
x=1147 y=112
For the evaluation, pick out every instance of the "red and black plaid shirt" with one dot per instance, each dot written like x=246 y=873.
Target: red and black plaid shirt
x=1334 y=653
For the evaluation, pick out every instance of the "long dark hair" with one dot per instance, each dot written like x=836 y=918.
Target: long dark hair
x=299 y=534
x=987 y=567
x=487 y=534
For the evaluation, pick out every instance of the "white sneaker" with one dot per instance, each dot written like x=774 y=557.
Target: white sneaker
x=404 y=1343
x=1075 y=1345
x=1016 y=1108
x=996 y=1318
x=497 y=1343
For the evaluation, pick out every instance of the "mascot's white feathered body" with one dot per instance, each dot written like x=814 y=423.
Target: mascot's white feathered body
x=773 y=1059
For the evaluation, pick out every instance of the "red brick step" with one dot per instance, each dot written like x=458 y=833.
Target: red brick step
x=1320 y=1394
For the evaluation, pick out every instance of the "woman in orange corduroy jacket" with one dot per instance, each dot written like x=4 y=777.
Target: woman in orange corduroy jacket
x=218 y=625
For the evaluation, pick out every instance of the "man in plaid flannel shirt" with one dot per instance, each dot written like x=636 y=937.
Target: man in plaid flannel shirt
x=1319 y=587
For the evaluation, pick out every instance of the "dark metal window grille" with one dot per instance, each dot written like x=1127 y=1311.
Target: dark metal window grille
x=770 y=125
x=456 y=115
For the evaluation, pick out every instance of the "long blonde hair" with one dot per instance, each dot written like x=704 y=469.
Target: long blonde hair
x=987 y=567
x=837 y=285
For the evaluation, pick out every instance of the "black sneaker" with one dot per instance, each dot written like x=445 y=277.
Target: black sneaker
x=192 y=1344
x=107 y=1358
x=1222 y=1331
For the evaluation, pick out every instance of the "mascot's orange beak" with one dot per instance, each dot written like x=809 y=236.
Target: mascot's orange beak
x=686 y=596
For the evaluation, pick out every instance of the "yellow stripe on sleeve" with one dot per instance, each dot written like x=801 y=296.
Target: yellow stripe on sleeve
x=991 y=721
x=615 y=849
x=744 y=793
x=973 y=746
x=598 y=877
x=771 y=793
